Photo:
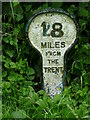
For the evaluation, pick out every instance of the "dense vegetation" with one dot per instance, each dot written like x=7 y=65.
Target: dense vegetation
x=22 y=94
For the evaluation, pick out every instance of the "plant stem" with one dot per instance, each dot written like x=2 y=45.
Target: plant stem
x=12 y=12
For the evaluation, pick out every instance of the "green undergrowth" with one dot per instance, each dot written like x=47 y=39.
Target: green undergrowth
x=22 y=94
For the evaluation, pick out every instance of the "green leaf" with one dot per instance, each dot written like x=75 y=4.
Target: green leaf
x=6 y=84
x=14 y=41
x=87 y=78
x=10 y=52
x=73 y=8
x=32 y=77
x=30 y=71
x=6 y=39
x=41 y=103
x=21 y=71
x=28 y=7
x=68 y=78
x=20 y=78
x=19 y=17
x=12 y=78
x=16 y=31
x=83 y=12
x=4 y=74
x=6 y=64
x=19 y=114
x=86 y=60
x=37 y=69
x=41 y=92
x=79 y=65
x=85 y=90
x=57 y=98
x=13 y=65
x=86 y=47
x=15 y=3
x=82 y=23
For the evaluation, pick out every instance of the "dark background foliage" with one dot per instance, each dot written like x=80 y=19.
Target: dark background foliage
x=23 y=96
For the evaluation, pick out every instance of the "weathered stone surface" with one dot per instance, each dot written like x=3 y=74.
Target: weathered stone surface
x=52 y=34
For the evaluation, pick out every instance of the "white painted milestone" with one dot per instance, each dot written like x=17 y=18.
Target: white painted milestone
x=52 y=34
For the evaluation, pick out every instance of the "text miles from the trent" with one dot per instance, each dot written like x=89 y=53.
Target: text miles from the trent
x=52 y=33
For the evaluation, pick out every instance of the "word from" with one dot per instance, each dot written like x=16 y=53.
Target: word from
x=53 y=53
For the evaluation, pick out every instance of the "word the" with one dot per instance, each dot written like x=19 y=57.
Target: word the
x=51 y=61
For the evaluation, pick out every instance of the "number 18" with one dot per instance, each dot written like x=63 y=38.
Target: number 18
x=56 y=29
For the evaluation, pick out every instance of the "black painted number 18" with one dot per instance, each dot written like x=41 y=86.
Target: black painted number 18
x=56 y=29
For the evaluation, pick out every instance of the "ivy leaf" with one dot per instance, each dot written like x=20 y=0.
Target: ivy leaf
x=19 y=17
x=86 y=60
x=82 y=22
x=6 y=64
x=5 y=39
x=78 y=65
x=32 y=77
x=10 y=53
x=4 y=74
x=72 y=8
x=14 y=42
x=37 y=69
x=6 y=84
x=16 y=31
x=28 y=7
x=18 y=10
x=83 y=12
x=20 y=77
x=41 y=92
x=13 y=65
x=86 y=78
x=15 y=3
x=30 y=71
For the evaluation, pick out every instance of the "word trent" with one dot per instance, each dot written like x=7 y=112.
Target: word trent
x=55 y=70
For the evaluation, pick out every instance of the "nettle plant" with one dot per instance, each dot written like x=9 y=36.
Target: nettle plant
x=22 y=94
